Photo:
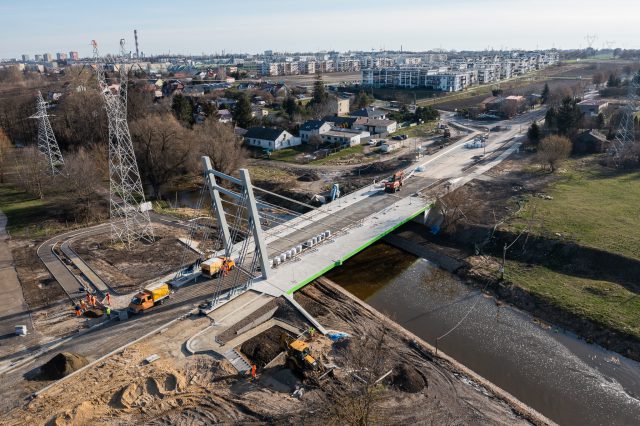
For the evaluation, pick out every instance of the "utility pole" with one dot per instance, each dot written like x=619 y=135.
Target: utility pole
x=625 y=137
x=47 y=143
x=129 y=215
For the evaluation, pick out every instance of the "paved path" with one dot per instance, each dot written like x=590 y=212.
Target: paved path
x=13 y=308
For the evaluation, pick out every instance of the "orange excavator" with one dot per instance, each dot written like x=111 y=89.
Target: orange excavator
x=394 y=184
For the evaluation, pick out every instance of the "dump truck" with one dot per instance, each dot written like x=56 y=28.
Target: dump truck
x=217 y=265
x=394 y=184
x=149 y=297
x=298 y=355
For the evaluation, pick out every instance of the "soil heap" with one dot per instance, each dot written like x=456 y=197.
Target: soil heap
x=62 y=365
x=407 y=379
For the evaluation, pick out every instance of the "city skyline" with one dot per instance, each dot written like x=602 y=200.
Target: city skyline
x=251 y=26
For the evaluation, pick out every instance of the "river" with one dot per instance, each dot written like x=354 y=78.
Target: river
x=553 y=371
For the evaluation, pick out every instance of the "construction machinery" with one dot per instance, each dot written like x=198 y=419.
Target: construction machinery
x=149 y=297
x=394 y=184
x=298 y=355
x=217 y=265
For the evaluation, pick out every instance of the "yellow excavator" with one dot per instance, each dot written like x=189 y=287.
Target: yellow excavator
x=298 y=355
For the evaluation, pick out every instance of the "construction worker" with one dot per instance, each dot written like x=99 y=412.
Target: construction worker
x=108 y=299
x=253 y=371
x=312 y=332
x=108 y=312
x=83 y=305
x=225 y=268
x=88 y=298
x=78 y=311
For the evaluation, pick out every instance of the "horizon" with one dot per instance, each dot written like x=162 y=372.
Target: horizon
x=194 y=29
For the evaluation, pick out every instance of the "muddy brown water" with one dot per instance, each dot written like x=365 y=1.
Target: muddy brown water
x=553 y=371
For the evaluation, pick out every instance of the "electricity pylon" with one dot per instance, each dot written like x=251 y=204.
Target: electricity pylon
x=128 y=210
x=625 y=137
x=47 y=143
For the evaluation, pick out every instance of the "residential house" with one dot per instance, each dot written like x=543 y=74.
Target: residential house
x=225 y=116
x=344 y=137
x=374 y=125
x=270 y=139
x=370 y=112
x=313 y=127
x=342 y=122
x=592 y=107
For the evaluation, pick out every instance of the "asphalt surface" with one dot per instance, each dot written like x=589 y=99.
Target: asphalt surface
x=13 y=309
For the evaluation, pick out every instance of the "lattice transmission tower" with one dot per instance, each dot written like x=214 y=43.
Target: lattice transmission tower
x=624 y=140
x=129 y=214
x=47 y=143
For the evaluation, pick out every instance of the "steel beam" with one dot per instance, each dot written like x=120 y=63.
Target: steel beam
x=256 y=228
x=217 y=204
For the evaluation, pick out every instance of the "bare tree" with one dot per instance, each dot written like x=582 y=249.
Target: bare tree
x=553 y=150
x=162 y=148
x=315 y=141
x=82 y=182
x=80 y=120
x=221 y=144
x=355 y=396
x=455 y=207
x=5 y=148
x=32 y=169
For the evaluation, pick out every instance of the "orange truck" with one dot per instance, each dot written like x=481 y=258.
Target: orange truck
x=150 y=296
x=394 y=184
x=216 y=265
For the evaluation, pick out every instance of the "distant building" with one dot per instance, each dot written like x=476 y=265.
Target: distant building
x=341 y=122
x=61 y=56
x=313 y=127
x=592 y=107
x=344 y=137
x=339 y=106
x=25 y=58
x=271 y=139
x=74 y=56
x=48 y=57
x=370 y=112
x=224 y=116
x=375 y=125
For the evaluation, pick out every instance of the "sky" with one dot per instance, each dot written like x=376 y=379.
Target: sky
x=252 y=26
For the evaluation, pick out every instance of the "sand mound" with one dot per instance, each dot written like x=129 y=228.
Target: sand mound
x=62 y=365
x=407 y=379
x=141 y=394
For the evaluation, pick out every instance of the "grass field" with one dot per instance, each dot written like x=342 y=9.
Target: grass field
x=592 y=205
x=24 y=212
x=340 y=155
x=420 y=131
x=608 y=303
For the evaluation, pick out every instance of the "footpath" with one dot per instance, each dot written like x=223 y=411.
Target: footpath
x=13 y=309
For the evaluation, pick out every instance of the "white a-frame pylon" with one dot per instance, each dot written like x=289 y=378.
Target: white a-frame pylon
x=129 y=214
x=47 y=143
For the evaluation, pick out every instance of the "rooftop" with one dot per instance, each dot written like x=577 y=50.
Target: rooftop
x=265 y=133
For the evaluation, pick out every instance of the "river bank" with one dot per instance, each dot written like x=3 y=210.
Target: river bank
x=542 y=365
x=482 y=272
